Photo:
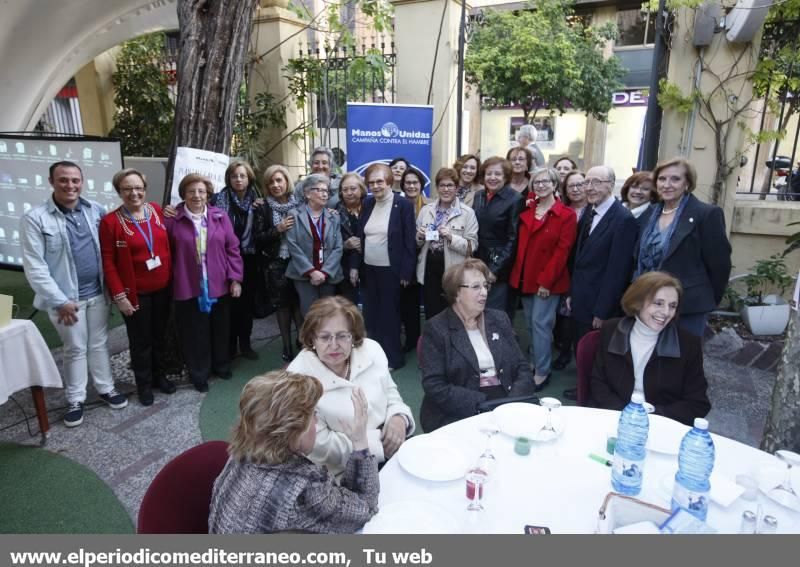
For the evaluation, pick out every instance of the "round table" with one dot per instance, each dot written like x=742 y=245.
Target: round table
x=558 y=486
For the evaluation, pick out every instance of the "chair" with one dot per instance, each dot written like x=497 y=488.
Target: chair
x=178 y=499
x=587 y=347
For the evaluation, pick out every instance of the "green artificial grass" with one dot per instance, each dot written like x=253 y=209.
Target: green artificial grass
x=58 y=496
x=13 y=283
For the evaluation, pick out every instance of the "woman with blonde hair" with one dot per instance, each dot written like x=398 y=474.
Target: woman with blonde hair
x=268 y=485
x=468 y=167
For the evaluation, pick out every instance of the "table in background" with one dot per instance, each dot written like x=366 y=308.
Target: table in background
x=560 y=487
x=26 y=362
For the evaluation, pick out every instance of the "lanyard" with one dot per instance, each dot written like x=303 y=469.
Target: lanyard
x=319 y=226
x=148 y=241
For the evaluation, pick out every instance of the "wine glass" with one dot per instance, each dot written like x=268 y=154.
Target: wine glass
x=548 y=431
x=476 y=478
x=783 y=493
x=487 y=458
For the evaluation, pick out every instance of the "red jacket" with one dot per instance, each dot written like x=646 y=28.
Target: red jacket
x=125 y=253
x=543 y=248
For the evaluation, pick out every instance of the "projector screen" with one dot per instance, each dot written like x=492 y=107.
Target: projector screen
x=24 y=170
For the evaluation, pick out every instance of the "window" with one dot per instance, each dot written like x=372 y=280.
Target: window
x=635 y=28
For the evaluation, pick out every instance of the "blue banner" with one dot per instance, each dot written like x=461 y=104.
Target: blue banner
x=379 y=133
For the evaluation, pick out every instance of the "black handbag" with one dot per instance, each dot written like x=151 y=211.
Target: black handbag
x=489 y=405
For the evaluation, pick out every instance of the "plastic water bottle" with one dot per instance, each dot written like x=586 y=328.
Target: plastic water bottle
x=695 y=463
x=629 y=454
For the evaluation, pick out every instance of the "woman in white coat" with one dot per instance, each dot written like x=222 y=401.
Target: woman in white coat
x=338 y=354
x=447 y=233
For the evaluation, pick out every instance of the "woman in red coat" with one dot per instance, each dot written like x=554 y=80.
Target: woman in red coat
x=546 y=235
x=137 y=267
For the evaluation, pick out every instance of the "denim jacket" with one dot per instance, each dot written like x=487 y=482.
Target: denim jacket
x=47 y=256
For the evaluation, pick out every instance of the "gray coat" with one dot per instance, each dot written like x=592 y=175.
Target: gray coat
x=301 y=246
x=450 y=372
x=293 y=496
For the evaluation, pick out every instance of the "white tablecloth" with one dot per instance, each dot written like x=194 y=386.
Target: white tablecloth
x=560 y=487
x=25 y=360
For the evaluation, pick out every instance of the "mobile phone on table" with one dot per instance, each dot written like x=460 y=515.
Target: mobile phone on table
x=537 y=530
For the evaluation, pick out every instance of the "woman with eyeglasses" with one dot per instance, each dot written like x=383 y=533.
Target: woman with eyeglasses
x=469 y=353
x=546 y=236
x=447 y=233
x=386 y=228
x=315 y=244
x=521 y=160
x=338 y=354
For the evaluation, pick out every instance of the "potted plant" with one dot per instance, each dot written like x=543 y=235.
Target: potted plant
x=763 y=308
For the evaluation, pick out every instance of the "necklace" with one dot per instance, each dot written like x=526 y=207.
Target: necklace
x=347 y=370
x=669 y=212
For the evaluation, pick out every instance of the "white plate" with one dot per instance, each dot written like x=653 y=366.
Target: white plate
x=772 y=475
x=665 y=435
x=412 y=517
x=524 y=420
x=430 y=457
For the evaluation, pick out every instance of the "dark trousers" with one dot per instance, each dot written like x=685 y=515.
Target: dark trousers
x=380 y=290
x=204 y=338
x=242 y=307
x=499 y=299
x=432 y=295
x=147 y=337
x=409 y=309
x=580 y=328
x=562 y=334
x=347 y=290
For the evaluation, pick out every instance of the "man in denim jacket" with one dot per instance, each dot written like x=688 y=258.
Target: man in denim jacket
x=61 y=256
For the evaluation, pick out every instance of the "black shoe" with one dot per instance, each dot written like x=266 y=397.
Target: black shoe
x=562 y=361
x=145 y=396
x=571 y=394
x=201 y=386
x=541 y=386
x=226 y=375
x=165 y=385
x=249 y=354
x=287 y=355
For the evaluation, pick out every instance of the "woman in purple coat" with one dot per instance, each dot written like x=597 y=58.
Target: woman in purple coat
x=207 y=267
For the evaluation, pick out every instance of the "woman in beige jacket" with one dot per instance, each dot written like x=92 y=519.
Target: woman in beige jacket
x=447 y=233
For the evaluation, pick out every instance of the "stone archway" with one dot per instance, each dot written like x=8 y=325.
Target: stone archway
x=45 y=42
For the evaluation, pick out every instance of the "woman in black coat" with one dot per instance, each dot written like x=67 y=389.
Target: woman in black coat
x=352 y=192
x=497 y=208
x=647 y=352
x=469 y=354
x=686 y=238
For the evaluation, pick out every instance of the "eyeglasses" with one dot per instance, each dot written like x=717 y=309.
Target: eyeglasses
x=476 y=287
x=446 y=186
x=573 y=186
x=239 y=176
x=320 y=190
x=541 y=183
x=341 y=339
x=376 y=183
x=595 y=182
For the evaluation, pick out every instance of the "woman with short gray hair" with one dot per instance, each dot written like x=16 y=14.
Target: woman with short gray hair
x=315 y=244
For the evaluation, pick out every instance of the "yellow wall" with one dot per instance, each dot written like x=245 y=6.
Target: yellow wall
x=623 y=136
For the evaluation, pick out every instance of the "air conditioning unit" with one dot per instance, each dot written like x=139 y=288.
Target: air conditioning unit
x=746 y=19
x=706 y=19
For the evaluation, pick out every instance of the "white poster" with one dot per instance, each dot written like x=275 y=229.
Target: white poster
x=191 y=160
x=796 y=296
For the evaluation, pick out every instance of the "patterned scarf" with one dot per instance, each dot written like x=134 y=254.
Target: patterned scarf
x=280 y=212
x=240 y=212
x=204 y=302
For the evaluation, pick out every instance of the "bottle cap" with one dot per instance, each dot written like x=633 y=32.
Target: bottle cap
x=701 y=423
x=637 y=398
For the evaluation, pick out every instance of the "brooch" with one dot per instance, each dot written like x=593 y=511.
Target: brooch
x=495 y=336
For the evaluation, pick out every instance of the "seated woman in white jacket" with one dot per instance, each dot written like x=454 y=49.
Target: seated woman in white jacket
x=447 y=232
x=337 y=353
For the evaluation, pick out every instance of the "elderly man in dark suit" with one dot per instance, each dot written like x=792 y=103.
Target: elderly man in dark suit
x=603 y=257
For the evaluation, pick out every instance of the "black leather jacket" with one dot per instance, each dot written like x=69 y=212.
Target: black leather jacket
x=498 y=221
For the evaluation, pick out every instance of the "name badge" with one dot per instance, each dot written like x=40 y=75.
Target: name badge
x=321 y=255
x=431 y=234
x=153 y=263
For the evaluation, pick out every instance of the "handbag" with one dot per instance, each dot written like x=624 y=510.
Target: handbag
x=619 y=510
x=489 y=405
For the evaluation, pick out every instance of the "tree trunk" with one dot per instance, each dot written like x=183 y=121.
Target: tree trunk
x=214 y=39
x=782 y=430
